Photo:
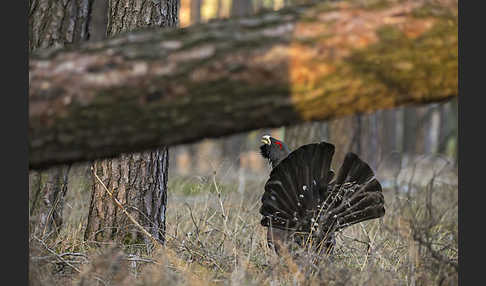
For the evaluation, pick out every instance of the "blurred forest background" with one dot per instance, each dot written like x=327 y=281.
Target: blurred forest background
x=400 y=135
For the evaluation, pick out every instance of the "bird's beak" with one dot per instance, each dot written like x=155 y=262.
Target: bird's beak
x=266 y=140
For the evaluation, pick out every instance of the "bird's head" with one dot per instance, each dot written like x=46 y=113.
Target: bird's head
x=274 y=150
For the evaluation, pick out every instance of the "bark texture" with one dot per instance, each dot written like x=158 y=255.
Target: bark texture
x=46 y=201
x=126 y=15
x=53 y=24
x=150 y=88
x=137 y=180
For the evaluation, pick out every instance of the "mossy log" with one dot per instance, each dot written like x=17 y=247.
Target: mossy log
x=148 y=88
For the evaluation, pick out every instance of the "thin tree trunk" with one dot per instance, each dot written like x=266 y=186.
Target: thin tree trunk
x=219 y=8
x=400 y=128
x=257 y=4
x=448 y=127
x=196 y=11
x=389 y=131
x=241 y=8
x=369 y=150
x=434 y=127
x=410 y=122
x=444 y=128
x=232 y=147
x=454 y=123
x=421 y=130
x=138 y=180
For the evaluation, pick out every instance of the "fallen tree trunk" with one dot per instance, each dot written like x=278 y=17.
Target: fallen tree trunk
x=150 y=88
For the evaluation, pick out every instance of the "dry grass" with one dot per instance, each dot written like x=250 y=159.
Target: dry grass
x=214 y=237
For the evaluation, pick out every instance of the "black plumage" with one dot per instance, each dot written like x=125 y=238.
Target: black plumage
x=274 y=150
x=305 y=204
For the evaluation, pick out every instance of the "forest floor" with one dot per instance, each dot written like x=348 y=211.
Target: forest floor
x=214 y=237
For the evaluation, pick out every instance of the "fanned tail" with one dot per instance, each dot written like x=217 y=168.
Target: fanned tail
x=296 y=186
x=355 y=196
x=301 y=197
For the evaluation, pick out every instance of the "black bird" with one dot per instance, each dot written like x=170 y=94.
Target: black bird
x=274 y=150
x=304 y=204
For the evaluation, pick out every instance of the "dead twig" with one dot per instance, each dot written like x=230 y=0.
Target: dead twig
x=57 y=255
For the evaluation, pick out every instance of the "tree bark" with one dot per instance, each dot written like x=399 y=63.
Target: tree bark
x=53 y=24
x=58 y=23
x=137 y=180
x=46 y=192
x=145 y=89
x=126 y=15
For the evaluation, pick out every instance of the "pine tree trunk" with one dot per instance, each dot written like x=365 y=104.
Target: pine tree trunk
x=139 y=180
x=55 y=24
x=52 y=24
